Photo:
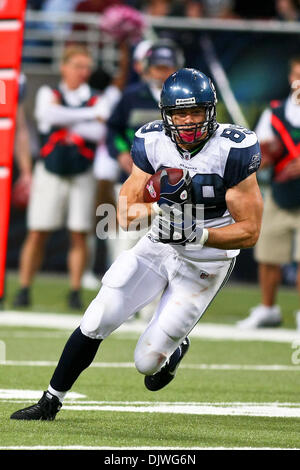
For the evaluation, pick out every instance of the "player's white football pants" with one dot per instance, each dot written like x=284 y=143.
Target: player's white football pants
x=135 y=279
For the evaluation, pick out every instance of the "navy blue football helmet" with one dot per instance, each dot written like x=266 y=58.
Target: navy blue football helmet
x=164 y=52
x=189 y=88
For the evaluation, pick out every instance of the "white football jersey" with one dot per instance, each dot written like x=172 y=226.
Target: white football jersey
x=230 y=155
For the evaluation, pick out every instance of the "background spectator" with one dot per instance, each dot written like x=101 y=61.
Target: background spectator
x=35 y=4
x=158 y=7
x=287 y=10
x=63 y=186
x=105 y=169
x=22 y=137
x=93 y=6
x=22 y=152
x=96 y=6
x=279 y=242
x=67 y=6
x=223 y=9
x=193 y=8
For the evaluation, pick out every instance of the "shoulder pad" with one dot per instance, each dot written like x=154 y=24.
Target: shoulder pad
x=242 y=160
x=236 y=136
x=154 y=126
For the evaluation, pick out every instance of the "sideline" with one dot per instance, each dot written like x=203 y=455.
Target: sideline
x=130 y=365
x=201 y=330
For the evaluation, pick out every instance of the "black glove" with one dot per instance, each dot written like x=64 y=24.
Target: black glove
x=175 y=223
x=178 y=229
x=177 y=194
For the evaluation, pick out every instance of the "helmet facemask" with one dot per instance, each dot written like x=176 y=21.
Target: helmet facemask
x=190 y=133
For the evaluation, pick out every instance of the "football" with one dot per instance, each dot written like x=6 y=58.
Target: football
x=152 y=187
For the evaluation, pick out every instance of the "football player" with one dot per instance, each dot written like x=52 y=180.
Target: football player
x=186 y=259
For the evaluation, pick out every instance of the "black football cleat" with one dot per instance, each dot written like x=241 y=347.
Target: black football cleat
x=74 y=300
x=168 y=371
x=22 y=298
x=44 y=410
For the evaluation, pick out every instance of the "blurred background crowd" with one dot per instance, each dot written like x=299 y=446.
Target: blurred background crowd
x=248 y=61
x=287 y=10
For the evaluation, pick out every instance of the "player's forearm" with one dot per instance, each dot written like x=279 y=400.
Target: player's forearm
x=238 y=235
x=135 y=215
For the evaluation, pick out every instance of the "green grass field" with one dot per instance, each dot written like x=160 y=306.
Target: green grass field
x=49 y=294
x=227 y=393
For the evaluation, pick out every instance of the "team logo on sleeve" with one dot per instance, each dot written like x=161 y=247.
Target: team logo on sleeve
x=254 y=162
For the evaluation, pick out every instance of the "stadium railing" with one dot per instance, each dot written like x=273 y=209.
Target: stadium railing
x=47 y=34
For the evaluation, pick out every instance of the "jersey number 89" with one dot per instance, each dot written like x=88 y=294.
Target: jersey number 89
x=235 y=134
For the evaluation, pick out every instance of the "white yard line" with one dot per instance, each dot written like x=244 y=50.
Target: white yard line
x=187 y=409
x=40 y=320
x=130 y=365
x=268 y=410
x=273 y=411
x=76 y=402
x=202 y=330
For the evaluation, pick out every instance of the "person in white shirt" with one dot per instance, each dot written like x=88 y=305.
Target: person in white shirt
x=70 y=120
x=279 y=133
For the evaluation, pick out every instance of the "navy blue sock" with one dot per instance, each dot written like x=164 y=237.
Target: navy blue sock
x=77 y=355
